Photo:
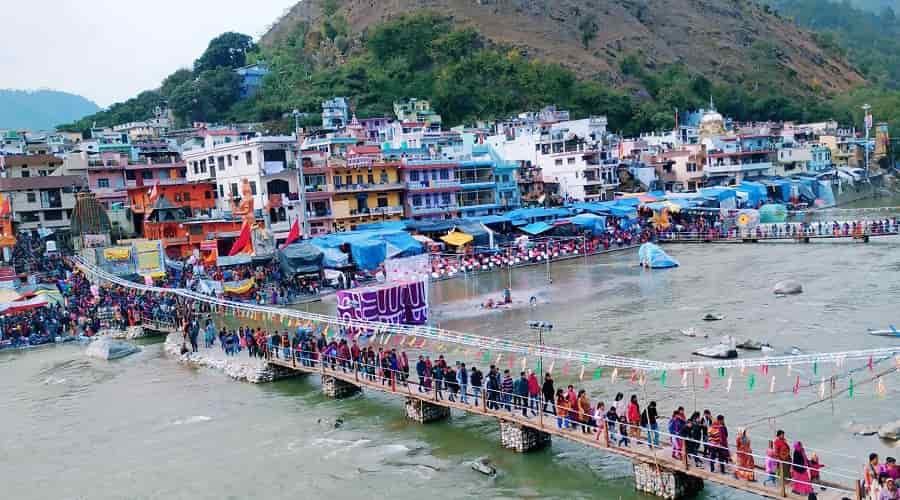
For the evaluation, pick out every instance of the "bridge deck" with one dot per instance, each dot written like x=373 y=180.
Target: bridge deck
x=661 y=456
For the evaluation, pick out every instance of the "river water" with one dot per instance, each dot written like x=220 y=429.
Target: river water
x=148 y=427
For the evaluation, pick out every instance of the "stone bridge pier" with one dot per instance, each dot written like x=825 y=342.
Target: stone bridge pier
x=425 y=412
x=663 y=482
x=521 y=438
x=337 y=388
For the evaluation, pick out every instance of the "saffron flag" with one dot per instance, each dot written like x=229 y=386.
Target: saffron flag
x=293 y=235
x=5 y=208
x=153 y=194
x=244 y=242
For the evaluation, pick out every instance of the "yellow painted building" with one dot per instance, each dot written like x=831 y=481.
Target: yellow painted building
x=365 y=191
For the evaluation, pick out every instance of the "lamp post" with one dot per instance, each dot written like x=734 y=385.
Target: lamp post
x=303 y=211
x=867 y=121
x=540 y=326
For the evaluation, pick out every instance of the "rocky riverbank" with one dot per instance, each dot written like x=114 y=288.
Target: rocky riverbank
x=241 y=367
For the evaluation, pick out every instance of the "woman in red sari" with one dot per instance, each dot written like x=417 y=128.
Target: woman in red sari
x=745 y=463
x=800 y=479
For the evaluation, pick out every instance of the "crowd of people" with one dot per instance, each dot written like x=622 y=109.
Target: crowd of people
x=702 y=227
x=445 y=265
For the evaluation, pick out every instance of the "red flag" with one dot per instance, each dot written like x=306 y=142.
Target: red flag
x=294 y=235
x=5 y=209
x=153 y=194
x=244 y=242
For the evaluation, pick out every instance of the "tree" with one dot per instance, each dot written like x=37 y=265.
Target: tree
x=588 y=28
x=171 y=82
x=228 y=50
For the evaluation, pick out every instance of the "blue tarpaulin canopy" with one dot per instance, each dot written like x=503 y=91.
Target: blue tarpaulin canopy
x=368 y=248
x=536 y=228
x=596 y=224
x=652 y=256
x=491 y=219
x=533 y=214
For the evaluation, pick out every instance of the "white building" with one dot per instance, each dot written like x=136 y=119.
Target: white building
x=571 y=151
x=267 y=163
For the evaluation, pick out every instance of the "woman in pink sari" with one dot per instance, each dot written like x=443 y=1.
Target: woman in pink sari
x=800 y=478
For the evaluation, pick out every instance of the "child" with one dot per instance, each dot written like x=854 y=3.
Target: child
x=771 y=464
x=814 y=468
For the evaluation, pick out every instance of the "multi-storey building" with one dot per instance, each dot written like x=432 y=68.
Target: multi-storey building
x=366 y=187
x=680 y=169
x=432 y=187
x=42 y=202
x=267 y=163
x=35 y=165
x=488 y=184
x=731 y=159
x=335 y=113
x=106 y=177
x=418 y=111
x=176 y=204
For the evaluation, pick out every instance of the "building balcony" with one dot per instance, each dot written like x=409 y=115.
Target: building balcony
x=725 y=168
x=323 y=215
x=377 y=211
x=363 y=188
x=176 y=241
x=133 y=183
x=431 y=209
x=439 y=184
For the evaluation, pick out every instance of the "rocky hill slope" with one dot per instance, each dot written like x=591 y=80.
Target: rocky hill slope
x=725 y=40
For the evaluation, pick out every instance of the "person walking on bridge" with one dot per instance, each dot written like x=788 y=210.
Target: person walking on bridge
x=520 y=388
x=783 y=455
x=476 y=379
x=462 y=380
x=548 y=393
x=534 y=391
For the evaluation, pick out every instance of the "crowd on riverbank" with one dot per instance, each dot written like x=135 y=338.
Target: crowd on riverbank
x=702 y=228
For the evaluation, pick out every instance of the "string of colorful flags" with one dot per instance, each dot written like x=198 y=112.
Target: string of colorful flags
x=498 y=350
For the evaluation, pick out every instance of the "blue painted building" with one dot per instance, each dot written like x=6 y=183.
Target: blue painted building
x=488 y=184
x=251 y=78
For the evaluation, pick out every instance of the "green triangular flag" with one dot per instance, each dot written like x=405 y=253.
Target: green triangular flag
x=721 y=371
x=662 y=378
x=751 y=382
x=850 y=389
x=598 y=372
x=815 y=368
x=486 y=357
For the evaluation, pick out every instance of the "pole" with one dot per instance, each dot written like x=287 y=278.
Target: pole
x=303 y=211
x=866 y=122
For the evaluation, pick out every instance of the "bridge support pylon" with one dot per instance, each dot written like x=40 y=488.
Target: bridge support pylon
x=663 y=482
x=337 y=388
x=425 y=412
x=520 y=438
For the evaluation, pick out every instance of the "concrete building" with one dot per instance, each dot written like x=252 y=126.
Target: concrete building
x=41 y=202
x=335 y=113
x=36 y=165
x=268 y=164
x=366 y=188
x=418 y=111
x=680 y=169
x=251 y=79
x=432 y=187
x=731 y=159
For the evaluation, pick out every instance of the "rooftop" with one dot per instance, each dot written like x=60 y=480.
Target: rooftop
x=45 y=182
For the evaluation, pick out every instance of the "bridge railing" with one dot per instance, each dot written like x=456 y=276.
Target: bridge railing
x=768 y=234
x=608 y=433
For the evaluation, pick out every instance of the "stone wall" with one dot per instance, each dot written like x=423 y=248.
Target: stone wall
x=521 y=438
x=665 y=483
x=337 y=388
x=424 y=412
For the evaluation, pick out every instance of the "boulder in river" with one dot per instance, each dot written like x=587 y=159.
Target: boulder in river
x=861 y=429
x=890 y=431
x=109 y=349
x=483 y=465
x=787 y=287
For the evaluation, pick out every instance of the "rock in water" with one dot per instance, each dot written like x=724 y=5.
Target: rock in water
x=108 y=349
x=890 y=431
x=484 y=466
x=787 y=287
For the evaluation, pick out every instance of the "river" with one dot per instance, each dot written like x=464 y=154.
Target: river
x=148 y=427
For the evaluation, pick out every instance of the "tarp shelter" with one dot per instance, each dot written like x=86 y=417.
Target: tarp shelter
x=457 y=238
x=652 y=256
x=390 y=225
x=432 y=227
x=596 y=224
x=538 y=214
x=300 y=258
x=239 y=287
x=481 y=236
x=368 y=249
x=18 y=306
x=536 y=228
x=756 y=192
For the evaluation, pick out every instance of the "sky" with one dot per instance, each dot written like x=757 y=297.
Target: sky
x=109 y=50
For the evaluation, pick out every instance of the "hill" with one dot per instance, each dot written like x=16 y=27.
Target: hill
x=41 y=109
x=733 y=41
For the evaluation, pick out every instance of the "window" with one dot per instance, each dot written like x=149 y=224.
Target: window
x=417 y=200
x=253 y=187
x=207 y=194
x=148 y=174
x=348 y=179
x=221 y=190
x=30 y=217
x=371 y=179
x=53 y=215
x=222 y=162
x=177 y=197
x=196 y=168
x=129 y=174
x=249 y=157
x=229 y=160
x=359 y=178
x=42 y=173
x=103 y=182
x=234 y=190
x=558 y=161
x=337 y=180
x=445 y=199
x=414 y=176
x=26 y=173
x=186 y=196
x=384 y=177
x=31 y=197
x=445 y=174
x=691 y=167
x=382 y=201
